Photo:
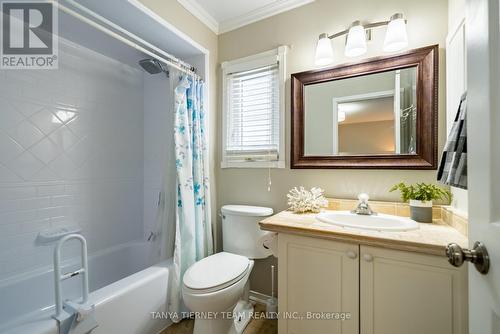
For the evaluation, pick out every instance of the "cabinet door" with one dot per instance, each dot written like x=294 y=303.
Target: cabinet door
x=411 y=293
x=317 y=278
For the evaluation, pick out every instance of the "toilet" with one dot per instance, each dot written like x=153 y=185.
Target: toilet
x=216 y=288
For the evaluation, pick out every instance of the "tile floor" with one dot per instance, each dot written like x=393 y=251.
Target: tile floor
x=256 y=326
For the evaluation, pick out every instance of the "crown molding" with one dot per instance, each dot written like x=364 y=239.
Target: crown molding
x=274 y=8
x=258 y=14
x=201 y=14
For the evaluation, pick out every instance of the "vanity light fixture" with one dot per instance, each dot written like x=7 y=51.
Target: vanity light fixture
x=324 y=51
x=395 y=39
x=356 y=40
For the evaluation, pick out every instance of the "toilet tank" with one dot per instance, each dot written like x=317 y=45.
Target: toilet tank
x=241 y=233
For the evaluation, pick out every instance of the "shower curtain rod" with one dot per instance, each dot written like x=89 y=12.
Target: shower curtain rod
x=164 y=58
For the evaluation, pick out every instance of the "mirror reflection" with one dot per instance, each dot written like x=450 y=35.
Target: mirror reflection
x=364 y=115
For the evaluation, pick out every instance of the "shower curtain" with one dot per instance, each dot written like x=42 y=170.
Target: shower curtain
x=193 y=228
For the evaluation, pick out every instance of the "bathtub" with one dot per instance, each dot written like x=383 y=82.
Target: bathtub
x=124 y=289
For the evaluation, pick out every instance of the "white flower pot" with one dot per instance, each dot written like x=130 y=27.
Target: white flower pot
x=421 y=211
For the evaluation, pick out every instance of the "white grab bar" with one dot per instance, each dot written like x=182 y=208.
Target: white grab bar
x=58 y=277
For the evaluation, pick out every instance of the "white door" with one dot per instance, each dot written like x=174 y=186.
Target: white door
x=483 y=117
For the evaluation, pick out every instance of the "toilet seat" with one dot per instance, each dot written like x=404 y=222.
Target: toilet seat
x=215 y=272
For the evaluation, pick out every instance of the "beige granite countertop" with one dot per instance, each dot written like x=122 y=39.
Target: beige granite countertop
x=429 y=238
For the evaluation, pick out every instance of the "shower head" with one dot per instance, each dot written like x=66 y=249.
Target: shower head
x=152 y=66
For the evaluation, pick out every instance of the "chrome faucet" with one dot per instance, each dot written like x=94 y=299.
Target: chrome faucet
x=363 y=207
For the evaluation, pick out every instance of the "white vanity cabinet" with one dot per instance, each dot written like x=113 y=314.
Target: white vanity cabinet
x=411 y=293
x=385 y=291
x=317 y=276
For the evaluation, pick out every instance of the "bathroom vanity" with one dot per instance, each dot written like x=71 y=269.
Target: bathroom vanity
x=387 y=282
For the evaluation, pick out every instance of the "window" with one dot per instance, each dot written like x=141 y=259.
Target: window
x=253 y=107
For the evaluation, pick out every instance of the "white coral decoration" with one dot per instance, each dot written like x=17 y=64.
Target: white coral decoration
x=301 y=200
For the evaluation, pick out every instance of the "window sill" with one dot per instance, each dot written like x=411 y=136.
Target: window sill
x=253 y=164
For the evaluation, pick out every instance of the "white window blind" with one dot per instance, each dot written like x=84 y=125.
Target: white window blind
x=253 y=115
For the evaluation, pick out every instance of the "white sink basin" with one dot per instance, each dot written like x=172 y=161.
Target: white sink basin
x=379 y=222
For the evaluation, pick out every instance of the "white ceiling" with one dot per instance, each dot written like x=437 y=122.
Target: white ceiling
x=224 y=15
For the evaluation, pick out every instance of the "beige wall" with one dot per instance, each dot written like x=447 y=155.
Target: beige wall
x=367 y=137
x=172 y=12
x=299 y=28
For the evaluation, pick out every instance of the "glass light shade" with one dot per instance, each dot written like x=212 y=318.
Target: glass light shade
x=324 y=51
x=396 y=38
x=356 y=41
x=340 y=116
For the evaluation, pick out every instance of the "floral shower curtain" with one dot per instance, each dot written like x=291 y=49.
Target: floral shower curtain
x=193 y=232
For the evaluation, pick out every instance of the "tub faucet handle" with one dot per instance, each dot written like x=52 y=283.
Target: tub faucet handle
x=152 y=236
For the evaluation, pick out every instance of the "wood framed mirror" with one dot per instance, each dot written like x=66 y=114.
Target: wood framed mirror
x=378 y=113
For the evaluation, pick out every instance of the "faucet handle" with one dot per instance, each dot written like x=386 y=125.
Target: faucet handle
x=363 y=197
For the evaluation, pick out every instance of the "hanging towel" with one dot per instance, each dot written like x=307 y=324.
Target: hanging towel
x=453 y=168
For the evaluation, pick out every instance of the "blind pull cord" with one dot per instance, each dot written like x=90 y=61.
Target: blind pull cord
x=269 y=181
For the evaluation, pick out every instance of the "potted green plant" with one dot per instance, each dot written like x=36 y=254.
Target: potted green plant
x=420 y=197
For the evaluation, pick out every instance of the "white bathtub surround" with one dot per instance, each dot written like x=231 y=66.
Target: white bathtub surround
x=193 y=233
x=122 y=287
x=75 y=146
x=71 y=151
x=79 y=146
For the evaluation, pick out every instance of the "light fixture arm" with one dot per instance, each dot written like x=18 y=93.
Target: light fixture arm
x=366 y=26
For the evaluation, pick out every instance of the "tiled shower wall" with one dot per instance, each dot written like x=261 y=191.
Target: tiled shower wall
x=71 y=151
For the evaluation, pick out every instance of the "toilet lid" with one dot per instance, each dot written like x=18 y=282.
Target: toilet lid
x=246 y=210
x=218 y=270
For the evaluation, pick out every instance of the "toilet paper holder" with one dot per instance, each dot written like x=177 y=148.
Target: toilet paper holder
x=270 y=243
